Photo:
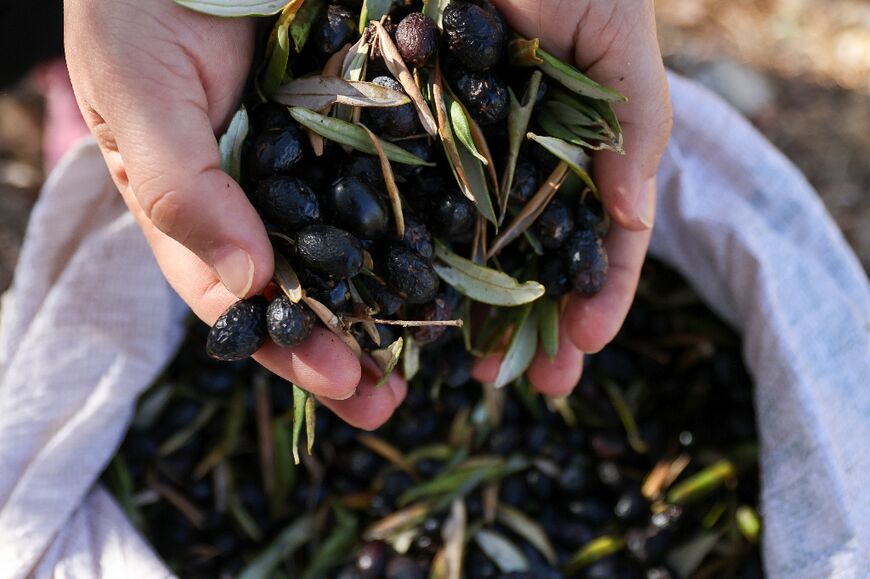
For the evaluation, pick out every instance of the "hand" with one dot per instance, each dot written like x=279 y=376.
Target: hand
x=155 y=82
x=614 y=42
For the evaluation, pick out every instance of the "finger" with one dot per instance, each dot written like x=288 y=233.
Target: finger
x=618 y=48
x=557 y=377
x=322 y=365
x=593 y=322
x=161 y=121
x=485 y=369
x=370 y=406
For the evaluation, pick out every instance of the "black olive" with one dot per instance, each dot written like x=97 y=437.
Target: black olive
x=365 y=167
x=397 y=122
x=416 y=39
x=359 y=207
x=329 y=250
x=240 y=331
x=335 y=295
x=411 y=275
x=453 y=216
x=335 y=29
x=420 y=148
x=404 y=568
x=484 y=94
x=455 y=364
x=275 y=152
x=286 y=202
x=418 y=238
x=289 y=324
x=526 y=181
x=586 y=262
x=555 y=224
x=475 y=34
x=380 y=296
x=435 y=311
x=371 y=560
x=270 y=116
x=631 y=506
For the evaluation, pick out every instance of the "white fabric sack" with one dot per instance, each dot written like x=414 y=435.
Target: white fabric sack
x=90 y=321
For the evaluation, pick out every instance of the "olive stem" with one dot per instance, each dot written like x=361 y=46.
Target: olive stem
x=405 y=323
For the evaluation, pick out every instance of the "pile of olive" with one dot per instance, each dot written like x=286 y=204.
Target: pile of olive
x=329 y=213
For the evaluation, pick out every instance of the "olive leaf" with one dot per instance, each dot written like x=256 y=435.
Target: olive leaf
x=528 y=529
x=331 y=321
x=310 y=423
x=434 y=9
x=307 y=15
x=354 y=68
x=389 y=452
x=319 y=92
x=531 y=210
x=575 y=157
x=479 y=140
x=287 y=280
x=518 y=123
x=521 y=349
x=373 y=10
x=276 y=66
x=702 y=483
x=587 y=119
x=243 y=519
x=576 y=135
x=411 y=357
x=459 y=123
x=183 y=436
x=453 y=532
x=387 y=358
x=465 y=167
x=548 y=319
x=524 y=52
x=355 y=137
x=534 y=242
x=501 y=551
x=234 y=420
x=234 y=8
x=625 y=416
x=593 y=551
x=231 y=142
x=390 y=181
x=299 y=532
x=396 y=66
x=481 y=283
x=300 y=397
x=397 y=521
x=284 y=468
x=688 y=556
x=574 y=80
x=336 y=545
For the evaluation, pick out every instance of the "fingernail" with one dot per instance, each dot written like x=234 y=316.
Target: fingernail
x=235 y=268
x=646 y=204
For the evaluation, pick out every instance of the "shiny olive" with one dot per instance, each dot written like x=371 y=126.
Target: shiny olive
x=359 y=207
x=400 y=121
x=453 y=216
x=240 y=331
x=289 y=324
x=287 y=203
x=329 y=250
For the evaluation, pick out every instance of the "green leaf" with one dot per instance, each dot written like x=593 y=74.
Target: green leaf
x=483 y=284
x=276 y=67
x=411 y=358
x=687 y=557
x=574 y=156
x=373 y=10
x=593 y=551
x=521 y=350
x=291 y=538
x=548 y=317
x=285 y=470
x=183 y=436
x=305 y=19
x=528 y=529
x=477 y=183
x=461 y=129
x=336 y=546
x=231 y=144
x=387 y=358
x=702 y=483
x=434 y=9
x=456 y=482
x=748 y=523
x=351 y=135
x=234 y=8
x=319 y=92
x=574 y=80
x=625 y=416
x=518 y=124
x=501 y=551
x=300 y=396
x=524 y=52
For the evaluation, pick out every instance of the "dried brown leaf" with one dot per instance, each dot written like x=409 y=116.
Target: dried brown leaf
x=331 y=321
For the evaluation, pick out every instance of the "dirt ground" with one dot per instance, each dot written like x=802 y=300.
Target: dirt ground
x=799 y=70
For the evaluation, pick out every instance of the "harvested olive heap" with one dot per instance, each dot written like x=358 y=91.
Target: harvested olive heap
x=410 y=161
x=648 y=469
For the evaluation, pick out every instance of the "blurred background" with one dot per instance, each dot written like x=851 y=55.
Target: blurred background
x=800 y=70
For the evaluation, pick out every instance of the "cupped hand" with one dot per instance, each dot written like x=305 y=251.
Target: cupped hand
x=155 y=82
x=614 y=42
